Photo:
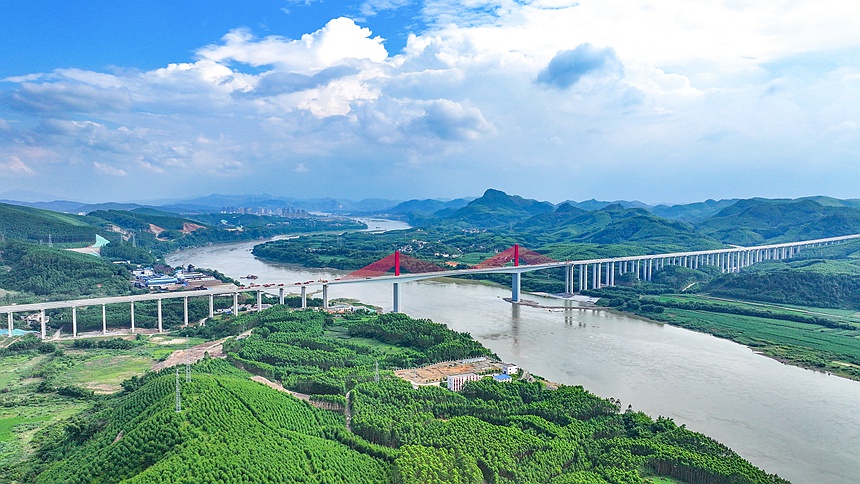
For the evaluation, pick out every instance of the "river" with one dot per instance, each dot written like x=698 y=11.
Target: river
x=800 y=424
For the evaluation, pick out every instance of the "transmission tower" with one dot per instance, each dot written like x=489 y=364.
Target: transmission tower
x=178 y=397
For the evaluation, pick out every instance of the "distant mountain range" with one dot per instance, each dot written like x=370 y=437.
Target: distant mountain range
x=741 y=222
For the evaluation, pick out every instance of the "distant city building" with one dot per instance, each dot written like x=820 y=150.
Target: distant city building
x=510 y=368
x=286 y=212
x=456 y=382
x=502 y=378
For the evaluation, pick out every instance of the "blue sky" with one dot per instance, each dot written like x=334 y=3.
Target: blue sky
x=670 y=101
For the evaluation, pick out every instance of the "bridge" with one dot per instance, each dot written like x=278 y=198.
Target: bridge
x=579 y=275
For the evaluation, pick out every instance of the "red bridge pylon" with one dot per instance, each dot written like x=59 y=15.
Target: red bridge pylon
x=395 y=262
x=515 y=255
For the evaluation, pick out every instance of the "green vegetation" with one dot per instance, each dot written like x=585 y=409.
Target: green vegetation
x=42 y=384
x=42 y=226
x=45 y=271
x=295 y=349
x=760 y=221
x=817 y=283
x=230 y=429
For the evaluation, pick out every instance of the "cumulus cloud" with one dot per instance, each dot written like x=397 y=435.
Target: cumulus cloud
x=411 y=123
x=276 y=82
x=569 y=66
x=341 y=40
x=449 y=120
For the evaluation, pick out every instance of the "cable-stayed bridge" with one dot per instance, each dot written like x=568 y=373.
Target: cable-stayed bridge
x=397 y=268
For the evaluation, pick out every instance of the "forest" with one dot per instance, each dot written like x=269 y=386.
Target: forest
x=365 y=425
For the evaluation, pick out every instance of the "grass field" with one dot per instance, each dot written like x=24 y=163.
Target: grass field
x=24 y=410
x=339 y=332
x=842 y=315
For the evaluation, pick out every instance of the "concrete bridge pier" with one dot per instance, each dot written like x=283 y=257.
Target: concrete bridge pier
x=325 y=296
x=515 y=287
x=304 y=297
x=104 y=318
x=568 y=279
x=11 y=320
x=42 y=317
x=583 y=277
x=211 y=305
x=259 y=301
x=235 y=304
x=396 y=291
x=281 y=296
x=160 y=319
x=75 y=321
x=185 y=311
x=581 y=273
x=131 y=310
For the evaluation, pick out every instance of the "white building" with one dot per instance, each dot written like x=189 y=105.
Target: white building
x=456 y=382
x=510 y=369
x=503 y=378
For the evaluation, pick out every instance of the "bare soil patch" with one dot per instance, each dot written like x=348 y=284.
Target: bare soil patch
x=191 y=355
x=277 y=386
x=188 y=227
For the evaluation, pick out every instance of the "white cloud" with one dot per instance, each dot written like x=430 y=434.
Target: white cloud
x=582 y=88
x=339 y=41
x=569 y=66
x=12 y=165
x=372 y=7
x=108 y=170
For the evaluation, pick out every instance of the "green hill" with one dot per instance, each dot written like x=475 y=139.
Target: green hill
x=613 y=224
x=230 y=429
x=41 y=226
x=496 y=209
x=37 y=270
x=691 y=212
x=143 y=220
x=760 y=221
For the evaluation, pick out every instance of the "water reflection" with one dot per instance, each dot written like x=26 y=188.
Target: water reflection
x=515 y=326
